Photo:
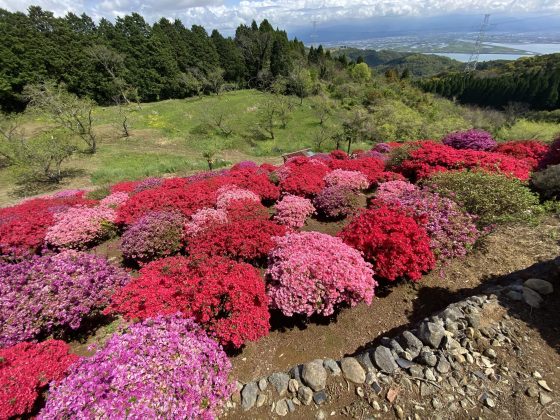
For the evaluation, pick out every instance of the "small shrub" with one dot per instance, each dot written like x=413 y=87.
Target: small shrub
x=26 y=370
x=392 y=241
x=470 y=139
x=337 y=202
x=313 y=273
x=226 y=297
x=547 y=182
x=351 y=179
x=292 y=211
x=552 y=156
x=493 y=198
x=179 y=373
x=254 y=180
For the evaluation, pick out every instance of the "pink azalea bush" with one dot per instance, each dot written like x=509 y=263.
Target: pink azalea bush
x=155 y=235
x=312 y=273
x=114 y=200
x=81 y=226
x=43 y=294
x=391 y=189
x=229 y=193
x=165 y=367
x=350 y=179
x=337 y=201
x=292 y=211
x=203 y=220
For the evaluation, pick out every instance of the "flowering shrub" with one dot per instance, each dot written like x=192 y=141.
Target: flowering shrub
x=229 y=193
x=552 y=156
x=80 y=227
x=254 y=180
x=114 y=200
x=337 y=201
x=311 y=272
x=267 y=167
x=370 y=167
x=147 y=184
x=530 y=150
x=292 y=211
x=392 y=241
x=304 y=179
x=246 y=209
x=470 y=139
x=161 y=368
x=452 y=232
x=351 y=179
x=155 y=235
x=124 y=186
x=69 y=194
x=226 y=297
x=382 y=148
x=25 y=371
x=246 y=164
x=44 y=294
x=204 y=219
x=338 y=155
x=242 y=239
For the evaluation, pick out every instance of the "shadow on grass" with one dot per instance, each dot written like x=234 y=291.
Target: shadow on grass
x=25 y=187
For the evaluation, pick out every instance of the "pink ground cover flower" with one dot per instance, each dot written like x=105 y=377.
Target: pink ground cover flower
x=350 y=179
x=312 y=273
x=292 y=211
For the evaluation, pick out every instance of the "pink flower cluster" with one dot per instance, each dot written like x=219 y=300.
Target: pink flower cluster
x=229 y=193
x=292 y=211
x=311 y=272
x=337 y=201
x=114 y=200
x=81 y=226
x=204 y=219
x=350 y=179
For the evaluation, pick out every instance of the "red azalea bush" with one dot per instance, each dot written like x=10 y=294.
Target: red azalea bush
x=552 y=156
x=530 y=150
x=470 y=139
x=246 y=209
x=311 y=272
x=369 y=166
x=25 y=371
x=392 y=241
x=124 y=186
x=431 y=157
x=305 y=179
x=254 y=180
x=339 y=155
x=226 y=297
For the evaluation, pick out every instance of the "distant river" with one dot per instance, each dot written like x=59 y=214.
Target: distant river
x=531 y=48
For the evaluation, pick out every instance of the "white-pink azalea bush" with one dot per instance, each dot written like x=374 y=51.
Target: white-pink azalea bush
x=229 y=193
x=204 y=219
x=114 y=200
x=311 y=273
x=350 y=179
x=292 y=211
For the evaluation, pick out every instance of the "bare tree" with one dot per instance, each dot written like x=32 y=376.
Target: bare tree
x=113 y=63
x=219 y=118
x=323 y=109
x=267 y=116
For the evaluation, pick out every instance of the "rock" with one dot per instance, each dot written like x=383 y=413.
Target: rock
x=451 y=315
x=514 y=295
x=490 y=353
x=437 y=404
x=544 y=385
x=537 y=374
x=411 y=344
x=314 y=375
x=293 y=386
x=428 y=358
x=399 y=412
x=426 y=389
x=431 y=334
x=394 y=345
x=332 y=367
x=473 y=319
x=360 y=392
x=249 y=395
x=305 y=394
x=370 y=378
x=236 y=396
x=544 y=398
x=429 y=375
x=365 y=360
x=280 y=382
x=384 y=359
x=295 y=372
x=532 y=391
x=416 y=371
x=291 y=406
x=320 y=397
x=540 y=286
x=320 y=415
x=404 y=364
x=489 y=402
x=392 y=394
x=282 y=408
x=263 y=384
x=532 y=298
x=376 y=387
x=443 y=365
x=261 y=399
x=375 y=405
x=352 y=370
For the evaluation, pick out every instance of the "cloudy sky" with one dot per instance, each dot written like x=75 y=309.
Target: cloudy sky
x=227 y=14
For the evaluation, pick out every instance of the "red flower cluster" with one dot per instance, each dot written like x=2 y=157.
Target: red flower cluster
x=372 y=168
x=392 y=241
x=530 y=150
x=433 y=157
x=246 y=209
x=254 y=180
x=305 y=177
x=23 y=227
x=339 y=155
x=26 y=369
x=124 y=186
x=226 y=297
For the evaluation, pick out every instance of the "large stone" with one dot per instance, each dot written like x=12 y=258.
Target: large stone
x=314 y=375
x=280 y=382
x=365 y=360
x=532 y=298
x=305 y=394
x=543 y=287
x=352 y=370
x=332 y=367
x=428 y=358
x=320 y=397
x=411 y=344
x=249 y=395
x=384 y=359
x=443 y=365
x=282 y=408
x=431 y=334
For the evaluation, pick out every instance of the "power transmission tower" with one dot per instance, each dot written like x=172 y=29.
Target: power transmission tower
x=475 y=55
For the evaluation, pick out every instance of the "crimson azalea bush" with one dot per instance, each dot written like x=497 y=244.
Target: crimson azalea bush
x=337 y=201
x=226 y=297
x=155 y=235
x=470 y=139
x=312 y=273
x=246 y=209
x=304 y=177
x=371 y=167
x=452 y=231
x=26 y=369
x=392 y=241
x=165 y=367
x=42 y=295
x=351 y=179
x=124 y=186
x=255 y=180
x=339 y=155
x=292 y=211
x=530 y=150
x=552 y=155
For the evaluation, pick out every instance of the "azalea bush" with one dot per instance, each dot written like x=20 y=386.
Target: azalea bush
x=470 y=139
x=292 y=211
x=114 y=200
x=392 y=240
x=493 y=198
x=229 y=193
x=531 y=151
x=313 y=273
x=350 y=179
x=304 y=178
x=26 y=369
x=552 y=155
x=43 y=295
x=371 y=167
x=204 y=219
x=226 y=297
x=255 y=180
x=337 y=201
x=165 y=367
x=80 y=227
x=147 y=184
x=155 y=235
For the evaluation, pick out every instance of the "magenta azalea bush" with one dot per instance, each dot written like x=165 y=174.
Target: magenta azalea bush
x=43 y=294
x=337 y=202
x=155 y=235
x=114 y=200
x=68 y=194
x=81 y=226
x=470 y=139
x=165 y=367
x=349 y=179
x=292 y=211
x=230 y=193
x=148 y=184
x=311 y=273
x=203 y=219
x=452 y=232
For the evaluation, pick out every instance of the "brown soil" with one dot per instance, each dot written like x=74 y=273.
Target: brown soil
x=396 y=306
